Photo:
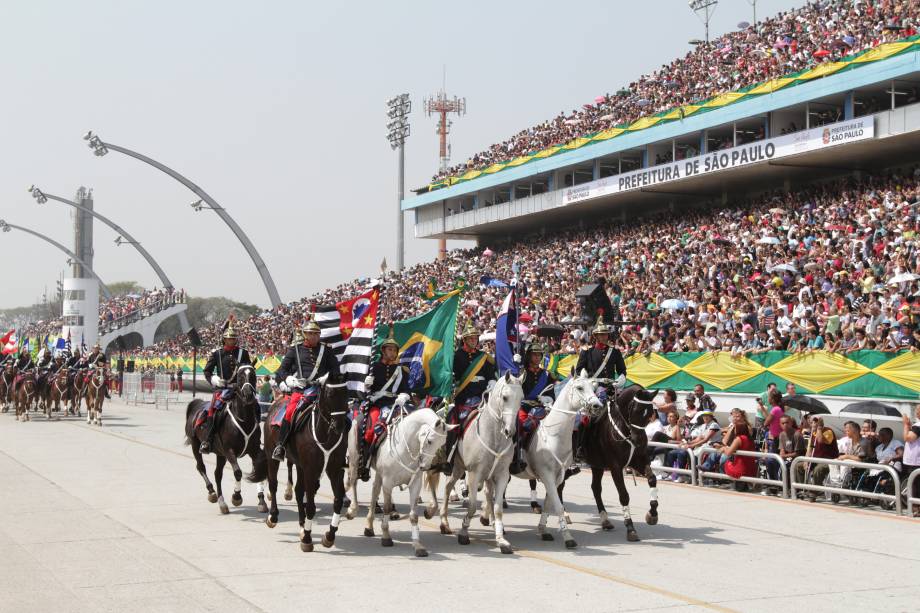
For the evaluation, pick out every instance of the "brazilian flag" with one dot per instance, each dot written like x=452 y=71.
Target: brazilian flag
x=426 y=347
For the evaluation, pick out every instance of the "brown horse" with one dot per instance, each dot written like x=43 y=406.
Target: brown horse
x=95 y=396
x=236 y=434
x=24 y=395
x=316 y=447
x=78 y=392
x=617 y=441
x=7 y=377
x=58 y=388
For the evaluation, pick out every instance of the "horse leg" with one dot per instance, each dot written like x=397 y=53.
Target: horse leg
x=352 y=474
x=289 y=489
x=100 y=400
x=309 y=485
x=272 y=520
x=553 y=503
x=300 y=496
x=337 y=481
x=415 y=488
x=448 y=487
x=597 y=488
x=472 y=482
x=385 y=538
x=485 y=513
x=534 y=505
x=500 y=484
x=568 y=518
x=651 y=518
x=218 y=477
x=620 y=482
x=199 y=464
x=432 y=478
x=237 y=498
x=371 y=504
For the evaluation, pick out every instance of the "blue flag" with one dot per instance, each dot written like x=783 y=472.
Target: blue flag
x=492 y=281
x=61 y=343
x=506 y=336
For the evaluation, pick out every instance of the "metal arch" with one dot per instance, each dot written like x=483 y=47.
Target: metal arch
x=247 y=244
x=70 y=254
x=183 y=318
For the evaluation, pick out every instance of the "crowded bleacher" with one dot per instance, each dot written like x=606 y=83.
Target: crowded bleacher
x=791 y=41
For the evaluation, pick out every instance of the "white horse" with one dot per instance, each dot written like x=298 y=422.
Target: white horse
x=550 y=451
x=484 y=453
x=403 y=458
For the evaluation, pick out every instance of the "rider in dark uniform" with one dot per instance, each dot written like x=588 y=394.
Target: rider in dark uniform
x=473 y=371
x=96 y=359
x=538 y=395
x=41 y=381
x=602 y=361
x=218 y=370
x=24 y=364
x=300 y=369
x=387 y=381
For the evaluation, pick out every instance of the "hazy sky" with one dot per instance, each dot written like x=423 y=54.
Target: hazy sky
x=277 y=109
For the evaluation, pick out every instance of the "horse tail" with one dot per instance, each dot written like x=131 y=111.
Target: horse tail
x=189 y=425
x=259 y=469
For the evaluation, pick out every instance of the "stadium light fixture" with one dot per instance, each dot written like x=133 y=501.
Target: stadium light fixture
x=38 y=195
x=95 y=143
x=121 y=241
x=704 y=10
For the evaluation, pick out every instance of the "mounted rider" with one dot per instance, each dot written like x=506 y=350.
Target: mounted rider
x=538 y=397
x=24 y=364
x=387 y=381
x=219 y=370
x=604 y=363
x=300 y=369
x=474 y=372
x=42 y=366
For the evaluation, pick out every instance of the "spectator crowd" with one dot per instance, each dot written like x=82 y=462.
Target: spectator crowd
x=822 y=31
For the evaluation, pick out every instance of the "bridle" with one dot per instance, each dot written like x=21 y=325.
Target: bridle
x=499 y=416
x=623 y=437
x=419 y=458
x=230 y=412
x=326 y=452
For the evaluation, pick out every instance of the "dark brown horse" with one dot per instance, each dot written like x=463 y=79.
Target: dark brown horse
x=319 y=445
x=24 y=395
x=58 y=389
x=616 y=441
x=78 y=391
x=6 y=385
x=236 y=434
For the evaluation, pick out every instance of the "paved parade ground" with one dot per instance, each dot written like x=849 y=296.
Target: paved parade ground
x=116 y=519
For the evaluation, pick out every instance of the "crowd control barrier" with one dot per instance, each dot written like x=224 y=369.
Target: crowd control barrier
x=827 y=489
x=781 y=483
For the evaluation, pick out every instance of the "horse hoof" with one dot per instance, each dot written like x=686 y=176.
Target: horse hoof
x=346 y=501
x=236 y=500
x=650 y=519
x=546 y=536
x=606 y=525
x=427 y=513
x=262 y=507
x=378 y=510
x=270 y=523
x=328 y=540
x=349 y=514
x=506 y=549
x=463 y=539
x=568 y=519
x=445 y=529
x=306 y=547
x=536 y=508
x=421 y=553
x=632 y=537
x=212 y=497
x=386 y=542
x=394 y=515
x=268 y=496
x=570 y=544
x=484 y=520
x=289 y=495
x=224 y=509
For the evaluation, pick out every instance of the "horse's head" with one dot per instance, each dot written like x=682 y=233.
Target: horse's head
x=579 y=391
x=430 y=440
x=635 y=405
x=245 y=382
x=333 y=396
x=505 y=400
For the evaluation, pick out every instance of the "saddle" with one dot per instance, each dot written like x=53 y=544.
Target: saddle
x=470 y=418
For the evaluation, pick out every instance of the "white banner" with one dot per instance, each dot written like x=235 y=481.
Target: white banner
x=736 y=157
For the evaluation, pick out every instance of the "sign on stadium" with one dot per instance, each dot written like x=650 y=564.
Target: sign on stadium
x=752 y=153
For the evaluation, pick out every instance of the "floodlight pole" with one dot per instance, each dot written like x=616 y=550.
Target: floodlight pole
x=5 y=227
x=101 y=148
x=399 y=108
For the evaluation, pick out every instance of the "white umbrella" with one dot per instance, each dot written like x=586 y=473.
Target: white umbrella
x=768 y=240
x=487 y=336
x=786 y=267
x=904 y=277
x=673 y=303
x=473 y=303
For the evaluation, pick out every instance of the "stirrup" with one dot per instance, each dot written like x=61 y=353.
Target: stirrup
x=278 y=452
x=571 y=471
x=364 y=473
x=205 y=447
x=517 y=466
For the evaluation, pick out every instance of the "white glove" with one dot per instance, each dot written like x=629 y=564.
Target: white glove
x=368 y=381
x=402 y=399
x=292 y=382
x=546 y=401
x=284 y=387
x=217 y=381
x=621 y=380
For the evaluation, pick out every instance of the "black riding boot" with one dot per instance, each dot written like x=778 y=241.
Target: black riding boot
x=448 y=466
x=518 y=464
x=364 y=471
x=578 y=443
x=208 y=436
x=278 y=452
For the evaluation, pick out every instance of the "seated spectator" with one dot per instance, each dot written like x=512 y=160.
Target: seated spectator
x=790 y=445
x=701 y=435
x=703 y=400
x=737 y=466
x=823 y=443
x=888 y=452
x=667 y=405
x=911 y=458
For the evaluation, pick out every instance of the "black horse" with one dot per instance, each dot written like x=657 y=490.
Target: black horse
x=616 y=441
x=236 y=435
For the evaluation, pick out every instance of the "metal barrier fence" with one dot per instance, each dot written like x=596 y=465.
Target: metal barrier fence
x=131 y=387
x=691 y=472
x=162 y=394
x=828 y=489
x=782 y=482
x=911 y=500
